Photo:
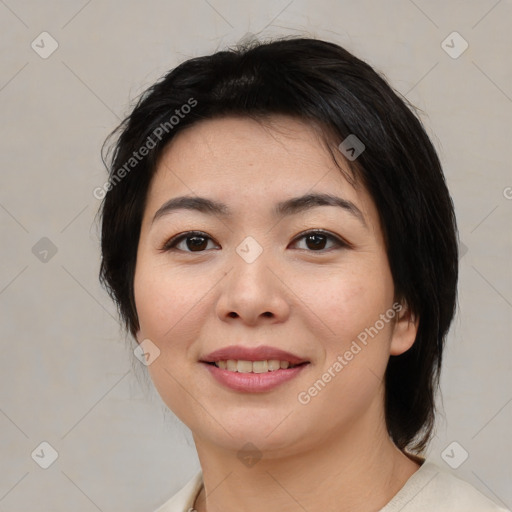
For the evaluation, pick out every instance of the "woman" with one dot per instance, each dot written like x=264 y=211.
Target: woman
x=279 y=239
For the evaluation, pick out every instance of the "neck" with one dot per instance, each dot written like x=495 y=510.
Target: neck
x=357 y=470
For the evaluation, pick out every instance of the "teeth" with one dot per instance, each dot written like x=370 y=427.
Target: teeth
x=274 y=364
x=258 y=366
x=242 y=366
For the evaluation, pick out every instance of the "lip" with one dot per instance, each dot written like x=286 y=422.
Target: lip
x=253 y=382
x=261 y=353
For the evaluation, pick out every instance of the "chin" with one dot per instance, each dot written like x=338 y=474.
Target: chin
x=275 y=437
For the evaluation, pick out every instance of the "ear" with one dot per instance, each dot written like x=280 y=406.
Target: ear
x=404 y=330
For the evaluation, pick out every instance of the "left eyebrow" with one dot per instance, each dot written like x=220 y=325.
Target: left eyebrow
x=285 y=208
x=308 y=201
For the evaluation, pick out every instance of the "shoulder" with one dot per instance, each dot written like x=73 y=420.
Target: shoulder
x=435 y=488
x=184 y=499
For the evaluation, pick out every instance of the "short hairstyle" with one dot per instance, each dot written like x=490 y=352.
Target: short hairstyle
x=323 y=84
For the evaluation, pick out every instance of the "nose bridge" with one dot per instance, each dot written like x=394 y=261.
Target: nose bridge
x=251 y=289
x=251 y=261
x=250 y=250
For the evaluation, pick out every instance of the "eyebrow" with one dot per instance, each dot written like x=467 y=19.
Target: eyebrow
x=285 y=208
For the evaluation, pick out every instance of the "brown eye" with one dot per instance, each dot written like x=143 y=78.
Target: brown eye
x=196 y=243
x=316 y=241
x=192 y=241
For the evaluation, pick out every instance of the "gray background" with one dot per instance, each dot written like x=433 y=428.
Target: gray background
x=68 y=376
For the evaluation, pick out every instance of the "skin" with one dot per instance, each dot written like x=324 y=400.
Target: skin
x=334 y=453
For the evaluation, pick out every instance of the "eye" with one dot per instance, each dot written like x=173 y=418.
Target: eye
x=195 y=241
x=316 y=240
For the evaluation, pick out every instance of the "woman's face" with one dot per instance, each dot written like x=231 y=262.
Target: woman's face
x=254 y=277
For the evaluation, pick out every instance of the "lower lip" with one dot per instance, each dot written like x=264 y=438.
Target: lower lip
x=253 y=382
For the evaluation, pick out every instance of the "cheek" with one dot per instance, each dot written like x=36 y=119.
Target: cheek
x=350 y=302
x=170 y=312
x=357 y=349
x=351 y=372
x=166 y=301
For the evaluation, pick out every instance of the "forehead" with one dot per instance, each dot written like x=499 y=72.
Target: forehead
x=241 y=144
x=245 y=162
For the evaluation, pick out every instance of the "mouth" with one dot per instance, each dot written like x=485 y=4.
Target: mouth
x=253 y=369
x=252 y=359
x=245 y=366
x=244 y=376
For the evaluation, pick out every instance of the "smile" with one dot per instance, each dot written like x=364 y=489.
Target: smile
x=253 y=377
x=243 y=366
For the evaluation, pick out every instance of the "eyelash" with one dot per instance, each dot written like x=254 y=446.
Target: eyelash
x=171 y=243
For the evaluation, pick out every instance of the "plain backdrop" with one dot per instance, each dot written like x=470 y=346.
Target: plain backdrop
x=69 y=377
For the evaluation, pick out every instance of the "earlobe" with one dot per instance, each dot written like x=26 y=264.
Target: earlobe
x=404 y=331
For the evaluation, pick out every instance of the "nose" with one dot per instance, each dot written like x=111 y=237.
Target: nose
x=253 y=293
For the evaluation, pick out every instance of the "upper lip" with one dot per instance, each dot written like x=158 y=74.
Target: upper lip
x=261 y=353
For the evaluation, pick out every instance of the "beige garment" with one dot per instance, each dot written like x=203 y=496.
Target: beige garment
x=430 y=489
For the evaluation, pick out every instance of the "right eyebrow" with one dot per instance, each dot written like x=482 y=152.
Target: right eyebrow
x=200 y=204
